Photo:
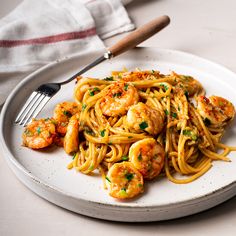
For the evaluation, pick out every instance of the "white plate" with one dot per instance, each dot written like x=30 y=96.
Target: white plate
x=45 y=172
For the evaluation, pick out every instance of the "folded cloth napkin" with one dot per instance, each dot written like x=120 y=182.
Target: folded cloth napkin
x=38 y=32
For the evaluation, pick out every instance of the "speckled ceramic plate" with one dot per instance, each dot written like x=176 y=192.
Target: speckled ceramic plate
x=45 y=172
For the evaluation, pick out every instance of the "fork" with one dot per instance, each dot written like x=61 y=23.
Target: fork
x=39 y=98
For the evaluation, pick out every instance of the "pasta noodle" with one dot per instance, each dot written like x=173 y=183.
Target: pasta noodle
x=125 y=116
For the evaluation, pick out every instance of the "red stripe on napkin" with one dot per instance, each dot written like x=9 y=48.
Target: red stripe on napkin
x=49 y=39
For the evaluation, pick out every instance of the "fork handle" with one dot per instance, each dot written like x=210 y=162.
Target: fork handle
x=139 y=35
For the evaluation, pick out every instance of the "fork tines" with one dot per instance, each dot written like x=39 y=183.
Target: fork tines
x=32 y=107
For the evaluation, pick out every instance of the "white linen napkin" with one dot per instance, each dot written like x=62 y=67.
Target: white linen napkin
x=38 y=32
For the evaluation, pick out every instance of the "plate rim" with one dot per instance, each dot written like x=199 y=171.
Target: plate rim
x=12 y=160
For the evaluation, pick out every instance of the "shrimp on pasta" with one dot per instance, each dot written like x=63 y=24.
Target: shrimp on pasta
x=135 y=126
x=39 y=133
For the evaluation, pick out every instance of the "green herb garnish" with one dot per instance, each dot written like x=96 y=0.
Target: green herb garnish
x=74 y=156
x=129 y=176
x=190 y=133
x=143 y=125
x=67 y=113
x=91 y=167
x=166 y=112
x=38 y=130
x=84 y=107
x=91 y=93
x=123 y=192
x=126 y=87
x=140 y=157
x=187 y=132
x=108 y=179
x=117 y=94
x=130 y=136
x=109 y=78
x=102 y=133
x=125 y=158
x=164 y=86
x=174 y=115
x=95 y=89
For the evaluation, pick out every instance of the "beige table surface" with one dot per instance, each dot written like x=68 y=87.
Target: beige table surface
x=206 y=28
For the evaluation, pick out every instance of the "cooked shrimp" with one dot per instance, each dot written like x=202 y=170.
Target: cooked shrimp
x=138 y=75
x=189 y=84
x=141 y=117
x=71 y=140
x=216 y=109
x=62 y=113
x=39 y=133
x=148 y=157
x=125 y=180
x=119 y=97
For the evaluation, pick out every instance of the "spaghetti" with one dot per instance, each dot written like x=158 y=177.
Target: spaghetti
x=143 y=124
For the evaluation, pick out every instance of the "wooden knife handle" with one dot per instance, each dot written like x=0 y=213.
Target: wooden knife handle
x=139 y=35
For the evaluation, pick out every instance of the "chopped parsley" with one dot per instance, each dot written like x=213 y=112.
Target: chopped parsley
x=67 y=113
x=117 y=94
x=91 y=167
x=95 y=89
x=38 y=130
x=126 y=87
x=140 y=157
x=187 y=132
x=123 y=192
x=84 y=107
x=190 y=133
x=74 y=156
x=166 y=112
x=164 y=86
x=143 y=125
x=125 y=158
x=130 y=136
x=108 y=179
x=91 y=93
x=140 y=185
x=129 y=176
x=153 y=71
x=109 y=78
x=174 y=115
x=102 y=133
